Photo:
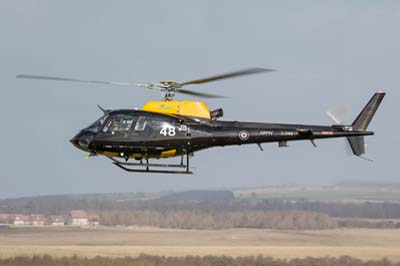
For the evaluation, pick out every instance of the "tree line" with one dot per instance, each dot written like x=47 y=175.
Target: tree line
x=367 y=223
x=190 y=261
x=195 y=219
x=212 y=201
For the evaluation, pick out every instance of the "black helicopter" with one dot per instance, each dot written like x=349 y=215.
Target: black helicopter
x=171 y=128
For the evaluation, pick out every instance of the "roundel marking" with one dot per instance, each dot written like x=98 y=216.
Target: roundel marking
x=244 y=135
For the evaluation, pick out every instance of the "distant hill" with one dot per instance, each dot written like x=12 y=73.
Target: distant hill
x=59 y=204
x=199 y=196
x=336 y=201
x=342 y=192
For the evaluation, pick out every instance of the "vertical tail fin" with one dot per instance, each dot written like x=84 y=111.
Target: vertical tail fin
x=362 y=122
x=364 y=118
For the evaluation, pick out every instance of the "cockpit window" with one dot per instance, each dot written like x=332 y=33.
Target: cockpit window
x=96 y=125
x=141 y=123
x=118 y=123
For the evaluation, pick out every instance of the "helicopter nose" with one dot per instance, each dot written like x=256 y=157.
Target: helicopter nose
x=82 y=140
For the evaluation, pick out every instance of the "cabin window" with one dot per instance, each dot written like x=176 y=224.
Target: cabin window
x=141 y=123
x=118 y=123
x=160 y=124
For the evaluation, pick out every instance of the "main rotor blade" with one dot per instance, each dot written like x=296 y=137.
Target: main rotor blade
x=243 y=72
x=24 y=76
x=199 y=94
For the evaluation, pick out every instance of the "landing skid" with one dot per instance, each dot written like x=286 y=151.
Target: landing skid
x=138 y=167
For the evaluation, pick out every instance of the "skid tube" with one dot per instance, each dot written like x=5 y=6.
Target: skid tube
x=134 y=167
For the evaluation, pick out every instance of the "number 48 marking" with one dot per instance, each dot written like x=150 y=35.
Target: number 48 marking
x=168 y=130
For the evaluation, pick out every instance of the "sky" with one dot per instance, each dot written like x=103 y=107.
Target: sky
x=327 y=53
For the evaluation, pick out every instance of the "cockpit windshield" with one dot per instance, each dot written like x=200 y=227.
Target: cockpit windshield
x=95 y=127
x=118 y=123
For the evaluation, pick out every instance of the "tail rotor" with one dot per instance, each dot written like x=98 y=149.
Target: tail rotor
x=360 y=124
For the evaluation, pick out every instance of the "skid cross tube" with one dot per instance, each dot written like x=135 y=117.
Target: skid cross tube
x=132 y=167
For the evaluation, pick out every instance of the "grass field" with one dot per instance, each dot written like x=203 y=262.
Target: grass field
x=361 y=243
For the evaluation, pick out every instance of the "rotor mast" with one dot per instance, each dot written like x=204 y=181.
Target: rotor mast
x=168 y=88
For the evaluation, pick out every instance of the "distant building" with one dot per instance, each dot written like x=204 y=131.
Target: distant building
x=57 y=220
x=37 y=219
x=5 y=218
x=78 y=217
x=93 y=219
x=20 y=219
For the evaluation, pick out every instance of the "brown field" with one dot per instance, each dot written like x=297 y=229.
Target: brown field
x=361 y=243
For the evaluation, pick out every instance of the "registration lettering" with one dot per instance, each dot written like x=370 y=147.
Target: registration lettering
x=287 y=133
x=266 y=133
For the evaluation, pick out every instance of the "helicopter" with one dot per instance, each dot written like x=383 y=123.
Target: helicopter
x=169 y=128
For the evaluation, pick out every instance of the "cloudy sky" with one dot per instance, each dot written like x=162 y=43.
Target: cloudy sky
x=327 y=53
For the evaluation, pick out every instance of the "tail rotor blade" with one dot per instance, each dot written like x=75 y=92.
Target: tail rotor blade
x=338 y=114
